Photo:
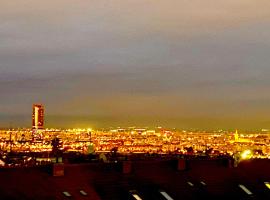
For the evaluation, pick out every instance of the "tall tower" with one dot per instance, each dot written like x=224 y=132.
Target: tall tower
x=38 y=116
x=236 y=136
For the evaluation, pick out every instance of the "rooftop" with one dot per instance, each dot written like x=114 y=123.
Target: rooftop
x=149 y=179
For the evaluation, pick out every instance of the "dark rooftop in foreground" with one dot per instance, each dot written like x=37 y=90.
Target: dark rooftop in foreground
x=203 y=179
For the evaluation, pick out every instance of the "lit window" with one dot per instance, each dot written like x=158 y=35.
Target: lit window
x=247 y=191
x=267 y=184
x=83 y=193
x=67 y=194
x=190 y=184
x=164 y=194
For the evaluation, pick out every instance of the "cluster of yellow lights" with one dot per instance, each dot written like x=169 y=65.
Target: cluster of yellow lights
x=247 y=154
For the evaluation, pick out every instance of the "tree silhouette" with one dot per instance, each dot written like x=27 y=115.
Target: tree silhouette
x=56 y=144
x=189 y=150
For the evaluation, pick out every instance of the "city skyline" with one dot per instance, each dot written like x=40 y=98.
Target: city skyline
x=38 y=119
x=99 y=63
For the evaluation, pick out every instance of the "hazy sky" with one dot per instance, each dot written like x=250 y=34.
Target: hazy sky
x=175 y=63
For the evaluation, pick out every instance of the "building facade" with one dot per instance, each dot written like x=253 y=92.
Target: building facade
x=38 y=116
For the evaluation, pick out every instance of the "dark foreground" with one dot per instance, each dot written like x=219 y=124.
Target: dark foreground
x=203 y=179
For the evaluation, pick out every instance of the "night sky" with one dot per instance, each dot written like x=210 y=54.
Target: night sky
x=100 y=63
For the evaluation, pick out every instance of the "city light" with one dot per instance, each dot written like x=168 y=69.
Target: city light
x=247 y=154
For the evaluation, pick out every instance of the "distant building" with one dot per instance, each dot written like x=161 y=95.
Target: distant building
x=236 y=136
x=38 y=116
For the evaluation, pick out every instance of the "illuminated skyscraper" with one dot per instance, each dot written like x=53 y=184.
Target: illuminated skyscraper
x=38 y=116
x=236 y=136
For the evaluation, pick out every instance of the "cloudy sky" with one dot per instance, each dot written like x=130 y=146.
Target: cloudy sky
x=175 y=63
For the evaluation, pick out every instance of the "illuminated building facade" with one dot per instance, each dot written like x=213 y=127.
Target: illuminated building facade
x=38 y=116
x=236 y=136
